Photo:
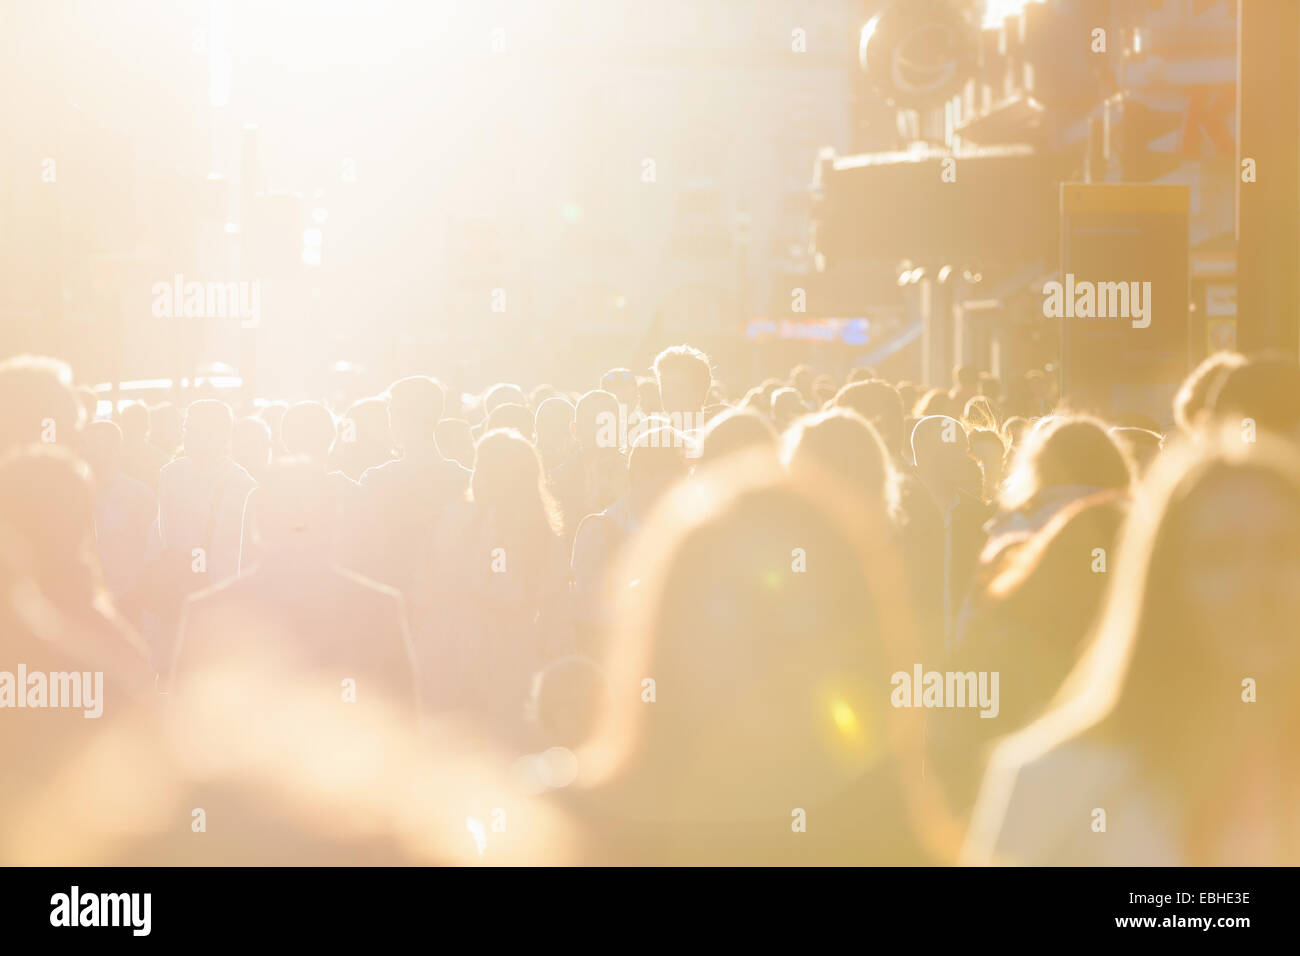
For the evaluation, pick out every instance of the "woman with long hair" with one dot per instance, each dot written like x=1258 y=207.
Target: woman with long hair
x=1063 y=458
x=500 y=588
x=750 y=716
x=1174 y=740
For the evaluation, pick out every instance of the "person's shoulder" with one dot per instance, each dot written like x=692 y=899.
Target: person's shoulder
x=176 y=468
x=236 y=474
x=452 y=474
x=601 y=522
x=357 y=589
x=341 y=480
x=378 y=474
x=351 y=580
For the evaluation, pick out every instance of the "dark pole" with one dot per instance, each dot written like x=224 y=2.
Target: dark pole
x=1268 y=209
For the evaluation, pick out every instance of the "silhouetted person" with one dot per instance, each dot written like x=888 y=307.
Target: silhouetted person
x=304 y=618
x=273 y=413
x=166 y=429
x=509 y=415
x=553 y=426
x=456 y=441
x=944 y=533
x=124 y=517
x=683 y=375
x=364 y=440
x=307 y=432
x=402 y=500
x=843 y=443
x=47 y=511
x=621 y=383
x=500 y=584
x=1194 y=394
x=1261 y=394
x=596 y=476
x=200 y=516
x=141 y=459
x=738 y=429
x=38 y=403
x=250 y=446
x=1159 y=723
x=657 y=461
x=787 y=405
x=723 y=630
x=201 y=494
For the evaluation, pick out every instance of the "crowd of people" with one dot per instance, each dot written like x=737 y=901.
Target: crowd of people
x=662 y=620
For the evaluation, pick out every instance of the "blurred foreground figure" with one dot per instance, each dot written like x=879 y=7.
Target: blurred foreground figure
x=749 y=720
x=306 y=615
x=38 y=403
x=401 y=500
x=47 y=510
x=200 y=515
x=124 y=517
x=1174 y=741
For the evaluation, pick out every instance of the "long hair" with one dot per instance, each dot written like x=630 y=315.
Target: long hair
x=1064 y=450
x=1144 y=682
x=765 y=618
x=508 y=481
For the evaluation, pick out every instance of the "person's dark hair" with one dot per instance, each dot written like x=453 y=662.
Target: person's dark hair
x=1034 y=613
x=101 y=447
x=737 y=429
x=166 y=427
x=716 y=584
x=273 y=414
x=414 y=409
x=133 y=419
x=1265 y=388
x=939 y=443
x=1148 y=685
x=455 y=440
x=513 y=416
x=36 y=392
x=369 y=421
x=1142 y=445
x=787 y=405
x=647 y=390
x=878 y=402
x=979 y=413
x=508 y=480
x=684 y=375
x=590 y=419
x=1194 y=394
x=935 y=402
x=1014 y=430
x=47 y=499
x=209 y=425
x=1061 y=451
x=308 y=429
x=621 y=383
x=842 y=442
x=552 y=425
x=503 y=393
